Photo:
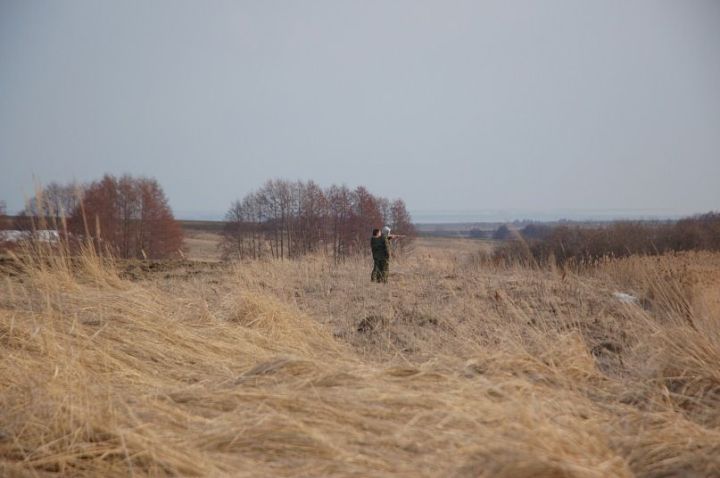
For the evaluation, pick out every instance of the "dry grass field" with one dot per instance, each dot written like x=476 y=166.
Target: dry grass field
x=305 y=368
x=202 y=245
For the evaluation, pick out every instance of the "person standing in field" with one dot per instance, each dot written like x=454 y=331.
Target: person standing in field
x=380 y=246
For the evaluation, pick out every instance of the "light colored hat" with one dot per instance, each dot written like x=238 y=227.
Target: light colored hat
x=386 y=231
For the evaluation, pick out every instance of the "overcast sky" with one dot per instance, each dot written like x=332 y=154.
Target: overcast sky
x=451 y=105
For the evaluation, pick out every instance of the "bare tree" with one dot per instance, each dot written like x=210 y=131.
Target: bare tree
x=400 y=219
x=367 y=213
x=5 y=222
x=286 y=219
x=341 y=220
x=313 y=210
x=402 y=224
x=54 y=202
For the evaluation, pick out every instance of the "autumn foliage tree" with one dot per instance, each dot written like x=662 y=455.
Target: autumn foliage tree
x=129 y=216
x=286 y=219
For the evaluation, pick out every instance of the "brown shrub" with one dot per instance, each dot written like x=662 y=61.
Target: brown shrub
x=588 y=245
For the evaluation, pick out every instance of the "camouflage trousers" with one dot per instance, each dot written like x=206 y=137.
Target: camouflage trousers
x=381 y=270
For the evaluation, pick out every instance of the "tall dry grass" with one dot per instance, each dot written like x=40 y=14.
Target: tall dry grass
x=305 y=368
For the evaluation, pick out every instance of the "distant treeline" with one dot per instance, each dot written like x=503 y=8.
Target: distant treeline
x=537 y=243
x=286 y=219
x=130 y=217
x=126 y=216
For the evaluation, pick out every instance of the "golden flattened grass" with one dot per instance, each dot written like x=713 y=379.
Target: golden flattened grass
x=263 y=371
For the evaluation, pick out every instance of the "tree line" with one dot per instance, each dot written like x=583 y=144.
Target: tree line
x=127 y=216
x=130 y=217
x=562 y=244
x=286 y=219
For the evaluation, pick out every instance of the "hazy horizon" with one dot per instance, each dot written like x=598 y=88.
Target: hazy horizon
x=457 y=106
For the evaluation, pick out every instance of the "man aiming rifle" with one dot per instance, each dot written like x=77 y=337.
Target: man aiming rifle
x=380 y=246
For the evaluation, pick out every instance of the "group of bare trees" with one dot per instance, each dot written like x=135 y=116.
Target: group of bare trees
x=286 y=219
x=586 y=245
x=129 y=216
x=54 y=201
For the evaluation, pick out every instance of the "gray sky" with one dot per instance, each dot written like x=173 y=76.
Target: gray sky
x=451 y=105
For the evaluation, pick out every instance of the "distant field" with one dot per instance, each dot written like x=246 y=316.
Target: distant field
x=439 y=229
x=203 y=238
x=201 y=245
x=204 y=226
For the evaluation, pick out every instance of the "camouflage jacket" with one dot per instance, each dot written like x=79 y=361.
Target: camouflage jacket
x=380 y=247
